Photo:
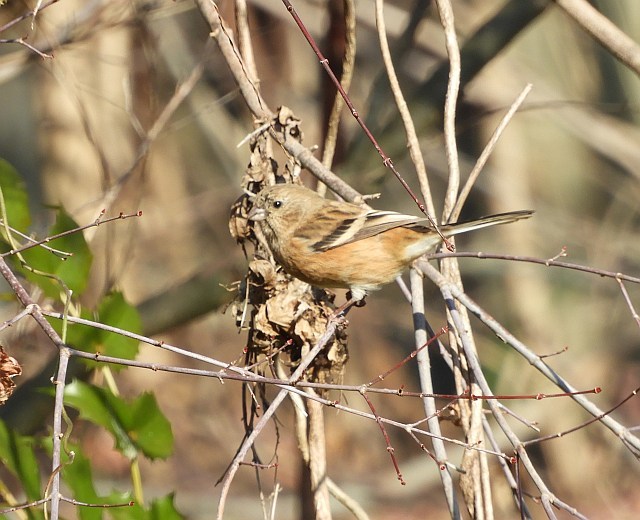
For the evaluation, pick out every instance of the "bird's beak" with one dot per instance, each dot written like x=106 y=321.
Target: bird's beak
x=257 y=214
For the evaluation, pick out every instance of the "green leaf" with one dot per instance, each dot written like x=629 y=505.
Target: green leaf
x=97 y=406
x=15 y=199
x=165 y=509
x=149 y=428
x=137 y=426
x=115 y=311
x=74 y=271
x=18 y=456
x=77 y=475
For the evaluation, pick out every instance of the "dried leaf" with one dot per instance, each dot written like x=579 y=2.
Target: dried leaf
x=238 y=222
x=9 y=368
x=265 y=271
x=285 y=316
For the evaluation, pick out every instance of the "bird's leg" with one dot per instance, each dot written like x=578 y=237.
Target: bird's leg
x=341 y=312
x=356 y=301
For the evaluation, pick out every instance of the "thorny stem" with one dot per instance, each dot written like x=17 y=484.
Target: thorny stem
x=259 y=108
x=268 y=413
x=64 y=354
x=386 y=160
x=390 y=449
x=534 y=260
x=630 y=441
x=35 y=243
x=24 y=16
x=474 y=366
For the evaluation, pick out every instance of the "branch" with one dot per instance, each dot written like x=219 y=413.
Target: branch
x=426 y=385
x=453 y=87
x=630 y=441
x=268 y=413
x=549 y=262
x=604 y=31
x=259 y=108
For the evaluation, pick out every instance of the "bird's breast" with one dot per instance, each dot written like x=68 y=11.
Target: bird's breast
x=367 y=263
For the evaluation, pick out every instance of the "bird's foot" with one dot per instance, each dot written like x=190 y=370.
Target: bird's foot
x=341 y=312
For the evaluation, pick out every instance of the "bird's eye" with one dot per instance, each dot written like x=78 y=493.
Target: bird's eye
x=277 y=204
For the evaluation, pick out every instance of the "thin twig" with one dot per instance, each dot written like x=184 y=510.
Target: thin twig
x=347 y=501
x=259 y=108
x=26 y=15
x=506 y=470
x=56 y=252
x=529 y=424
x=486 y=152
x=35 y=243
x=234 y=372
x=24 y=43
x=476 y=482
x=283 y=384
x=386 y=160
x=390 y=449
x=61 y=377
x=630 y=441
x=584 y=424
x=46 y=327
x=348 y=64
x=413 y=354
x=471 y=414
x=244 y=40
x=24 y=312
x=628 y=301
x=403 y=109
x=101 y=506
x=540 y=261
x=268 y=413
x=19 y=507
x=407 y=120
x=448 y=292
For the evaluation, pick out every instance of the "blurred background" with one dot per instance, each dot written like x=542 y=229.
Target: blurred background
x=75 y=125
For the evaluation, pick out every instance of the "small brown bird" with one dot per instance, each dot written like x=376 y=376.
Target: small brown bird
x=328 y=243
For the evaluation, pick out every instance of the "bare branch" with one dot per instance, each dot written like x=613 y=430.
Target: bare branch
x=604 y=31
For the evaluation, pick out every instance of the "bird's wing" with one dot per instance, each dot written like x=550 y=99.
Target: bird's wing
x=352 y=224
x=364 y=225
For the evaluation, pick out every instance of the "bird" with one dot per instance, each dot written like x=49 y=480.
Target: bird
x=336 y=244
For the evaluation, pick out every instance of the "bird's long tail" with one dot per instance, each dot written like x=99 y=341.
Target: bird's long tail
x=431 y=239
x=492 y=220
